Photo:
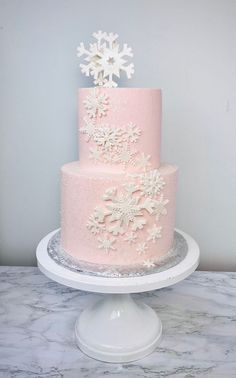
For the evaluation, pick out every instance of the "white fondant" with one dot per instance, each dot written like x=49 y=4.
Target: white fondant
x=105 y=59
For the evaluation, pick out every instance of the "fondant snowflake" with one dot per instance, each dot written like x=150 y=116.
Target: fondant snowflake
x=107 y=137
x=88 y=129
x=105 y=59
x=95 y=154
x=152 y=183
x=124 y=155
x=154 y=233
x=106 y=243
x=132 y=133
x=138 y=224
x=131 y=238
x=96 y=103
x=148 y=263
x=160 y=208
x=142 y=248
x=124 y=208
x=143 y=162
x=94 y=226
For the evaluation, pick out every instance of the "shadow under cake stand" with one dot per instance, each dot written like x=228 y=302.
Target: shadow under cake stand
x=116 y=328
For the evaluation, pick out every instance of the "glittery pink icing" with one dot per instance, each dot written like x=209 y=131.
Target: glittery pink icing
x=141 y=106
x=82 y=191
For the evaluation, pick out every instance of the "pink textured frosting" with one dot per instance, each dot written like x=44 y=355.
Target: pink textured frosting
x=82 y=191
x=142 y=107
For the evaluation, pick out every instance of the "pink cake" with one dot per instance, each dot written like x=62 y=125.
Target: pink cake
x=118 y=200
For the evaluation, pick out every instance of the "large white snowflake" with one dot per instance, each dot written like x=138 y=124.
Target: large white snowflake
x=126 y=209
x=96 y=103
x=105 y=59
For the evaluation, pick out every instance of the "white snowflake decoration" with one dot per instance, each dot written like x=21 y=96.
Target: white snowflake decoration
x=107 y=138
x=106 y=243
x=131 y=238
x=148 y=263
x=105 y=59
x=160 y=208
x=96 y=103
x=152 y=183
x=154 y=233
x=88 y=129
x=142 y=248
x=132 y=133
x=124 y=155
x=143 y=162
x=95 y=154
x=94 y=225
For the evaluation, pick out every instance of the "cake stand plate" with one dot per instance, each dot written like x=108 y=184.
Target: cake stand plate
x=117 y=328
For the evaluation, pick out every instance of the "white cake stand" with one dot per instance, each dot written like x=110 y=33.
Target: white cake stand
x=116 y=328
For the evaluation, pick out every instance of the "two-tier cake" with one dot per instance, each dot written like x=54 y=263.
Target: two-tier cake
x=118 y=200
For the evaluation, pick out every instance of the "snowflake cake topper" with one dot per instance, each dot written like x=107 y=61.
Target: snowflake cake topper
x=106 y=59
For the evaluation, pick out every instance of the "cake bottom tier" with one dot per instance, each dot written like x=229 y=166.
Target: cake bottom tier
x=118 y=219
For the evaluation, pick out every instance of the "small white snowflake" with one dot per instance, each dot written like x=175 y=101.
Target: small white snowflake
x=131 y=133
x=143 y=162
x=159 y=208
x=104 y=59
x=88 y=129
x=154 y=233
x=106 y=244
x=131 y=238
x=148 y=263
x=96 y=103
x=152 y=183
x=142 y=248
x=95 y=154
x=94 y=226
x=125 y=156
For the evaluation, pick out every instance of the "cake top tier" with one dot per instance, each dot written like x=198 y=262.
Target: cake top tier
x=105 y=59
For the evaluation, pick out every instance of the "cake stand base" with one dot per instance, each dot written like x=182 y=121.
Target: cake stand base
x=117 y=328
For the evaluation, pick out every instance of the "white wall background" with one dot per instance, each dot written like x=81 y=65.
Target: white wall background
x=185 y=47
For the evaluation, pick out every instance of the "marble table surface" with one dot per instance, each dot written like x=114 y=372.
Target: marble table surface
x=37 y=318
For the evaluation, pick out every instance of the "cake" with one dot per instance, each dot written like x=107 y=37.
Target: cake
x=118 y=201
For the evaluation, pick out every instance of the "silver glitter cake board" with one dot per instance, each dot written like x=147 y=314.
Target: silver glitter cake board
x=171 y=259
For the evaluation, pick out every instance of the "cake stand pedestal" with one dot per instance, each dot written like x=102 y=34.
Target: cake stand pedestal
x=117 y=328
